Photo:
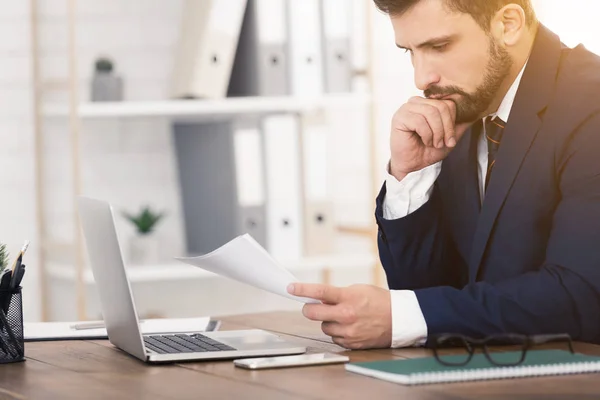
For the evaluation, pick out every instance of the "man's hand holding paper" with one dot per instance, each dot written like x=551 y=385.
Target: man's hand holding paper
x=356 y=317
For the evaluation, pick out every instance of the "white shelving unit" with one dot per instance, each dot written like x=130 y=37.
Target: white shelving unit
x=76 y=112
x=202 y=109
x=198 y=292
x=178 y=271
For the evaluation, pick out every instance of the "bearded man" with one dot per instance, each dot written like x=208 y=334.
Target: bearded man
x=489 y=218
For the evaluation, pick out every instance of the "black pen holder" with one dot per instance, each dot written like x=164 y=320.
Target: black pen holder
x=12 y=347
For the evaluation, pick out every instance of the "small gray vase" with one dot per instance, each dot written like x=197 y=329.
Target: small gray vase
x=107 y=87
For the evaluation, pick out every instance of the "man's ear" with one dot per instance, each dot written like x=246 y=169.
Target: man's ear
x=509 y=24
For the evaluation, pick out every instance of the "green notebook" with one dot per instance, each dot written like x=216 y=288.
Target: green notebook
x=429 y=370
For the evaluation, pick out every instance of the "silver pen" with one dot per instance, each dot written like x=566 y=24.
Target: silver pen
x=88 y=325
x=91 y=325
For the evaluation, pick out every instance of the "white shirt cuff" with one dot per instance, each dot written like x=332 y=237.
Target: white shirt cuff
x=411 y=193
x=408 y=323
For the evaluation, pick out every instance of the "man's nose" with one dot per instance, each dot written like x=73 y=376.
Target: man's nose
x=425 y=75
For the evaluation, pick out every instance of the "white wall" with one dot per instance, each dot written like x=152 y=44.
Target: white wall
x=17 y=189
x=575 y=21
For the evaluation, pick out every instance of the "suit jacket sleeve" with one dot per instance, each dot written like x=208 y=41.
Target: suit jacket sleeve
x=416 y=251
x=563 y=294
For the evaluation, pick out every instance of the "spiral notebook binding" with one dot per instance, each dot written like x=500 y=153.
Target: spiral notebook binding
x=503 y=373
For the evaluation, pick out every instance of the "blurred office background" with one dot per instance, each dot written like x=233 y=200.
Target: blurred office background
x=67 y=129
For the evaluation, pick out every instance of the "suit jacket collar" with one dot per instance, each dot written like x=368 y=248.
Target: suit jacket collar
x=534 y=93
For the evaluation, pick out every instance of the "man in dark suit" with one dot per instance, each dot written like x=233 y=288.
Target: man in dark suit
x=489 y=220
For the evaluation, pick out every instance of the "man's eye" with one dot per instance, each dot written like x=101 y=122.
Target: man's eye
x=407 y=51
x=440 y=47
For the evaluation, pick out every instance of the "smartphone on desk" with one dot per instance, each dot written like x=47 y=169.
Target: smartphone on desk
x=290 y=361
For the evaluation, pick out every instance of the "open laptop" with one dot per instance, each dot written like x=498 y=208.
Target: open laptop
x=120 y=315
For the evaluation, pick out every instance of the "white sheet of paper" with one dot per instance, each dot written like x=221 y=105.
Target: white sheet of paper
x=244 y=260
x=65 y=330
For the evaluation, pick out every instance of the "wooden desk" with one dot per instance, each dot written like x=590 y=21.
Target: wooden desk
x=97 y=370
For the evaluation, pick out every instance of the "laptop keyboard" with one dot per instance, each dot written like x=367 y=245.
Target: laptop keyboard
x=175 y=344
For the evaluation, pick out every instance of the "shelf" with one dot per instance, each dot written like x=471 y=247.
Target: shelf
x=181 y=271
x=208 y=108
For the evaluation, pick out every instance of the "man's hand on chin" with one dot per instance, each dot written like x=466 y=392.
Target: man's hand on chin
x=356 y=317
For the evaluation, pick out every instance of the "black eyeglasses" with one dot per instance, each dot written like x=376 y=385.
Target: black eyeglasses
x=468 y=346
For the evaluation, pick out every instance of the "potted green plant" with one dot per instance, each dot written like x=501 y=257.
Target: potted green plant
x=143 y=246
x=106 y=85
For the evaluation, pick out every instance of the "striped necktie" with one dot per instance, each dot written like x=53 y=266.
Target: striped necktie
x=494 y=127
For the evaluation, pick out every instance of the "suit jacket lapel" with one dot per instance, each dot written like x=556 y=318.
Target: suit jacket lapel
x=534 y=92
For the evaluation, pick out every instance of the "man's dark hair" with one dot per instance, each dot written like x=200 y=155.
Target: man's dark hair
x=482 y=11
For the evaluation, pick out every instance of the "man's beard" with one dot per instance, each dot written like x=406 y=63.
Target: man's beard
x=471 y=106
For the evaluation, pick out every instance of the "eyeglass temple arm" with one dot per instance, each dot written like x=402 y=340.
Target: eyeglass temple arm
x=541 y=339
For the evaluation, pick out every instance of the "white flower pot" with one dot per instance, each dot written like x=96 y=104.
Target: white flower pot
x=143 y=250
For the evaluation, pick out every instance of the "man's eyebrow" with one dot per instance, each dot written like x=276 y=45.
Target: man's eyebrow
x=431 y=42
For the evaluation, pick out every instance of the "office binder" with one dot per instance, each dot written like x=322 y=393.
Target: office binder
x=221 y=177
x=336 y=18
x=318 y=207
x=284 y=205
x=261 y=62
x=208 y=40
x=249 y=167
x=306 y=64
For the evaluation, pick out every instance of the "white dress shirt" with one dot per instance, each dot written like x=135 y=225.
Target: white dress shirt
x=405 y=197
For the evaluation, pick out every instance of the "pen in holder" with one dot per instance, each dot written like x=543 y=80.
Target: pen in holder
x=12 y=348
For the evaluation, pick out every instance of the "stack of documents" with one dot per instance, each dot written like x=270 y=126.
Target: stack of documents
x=244 y=260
